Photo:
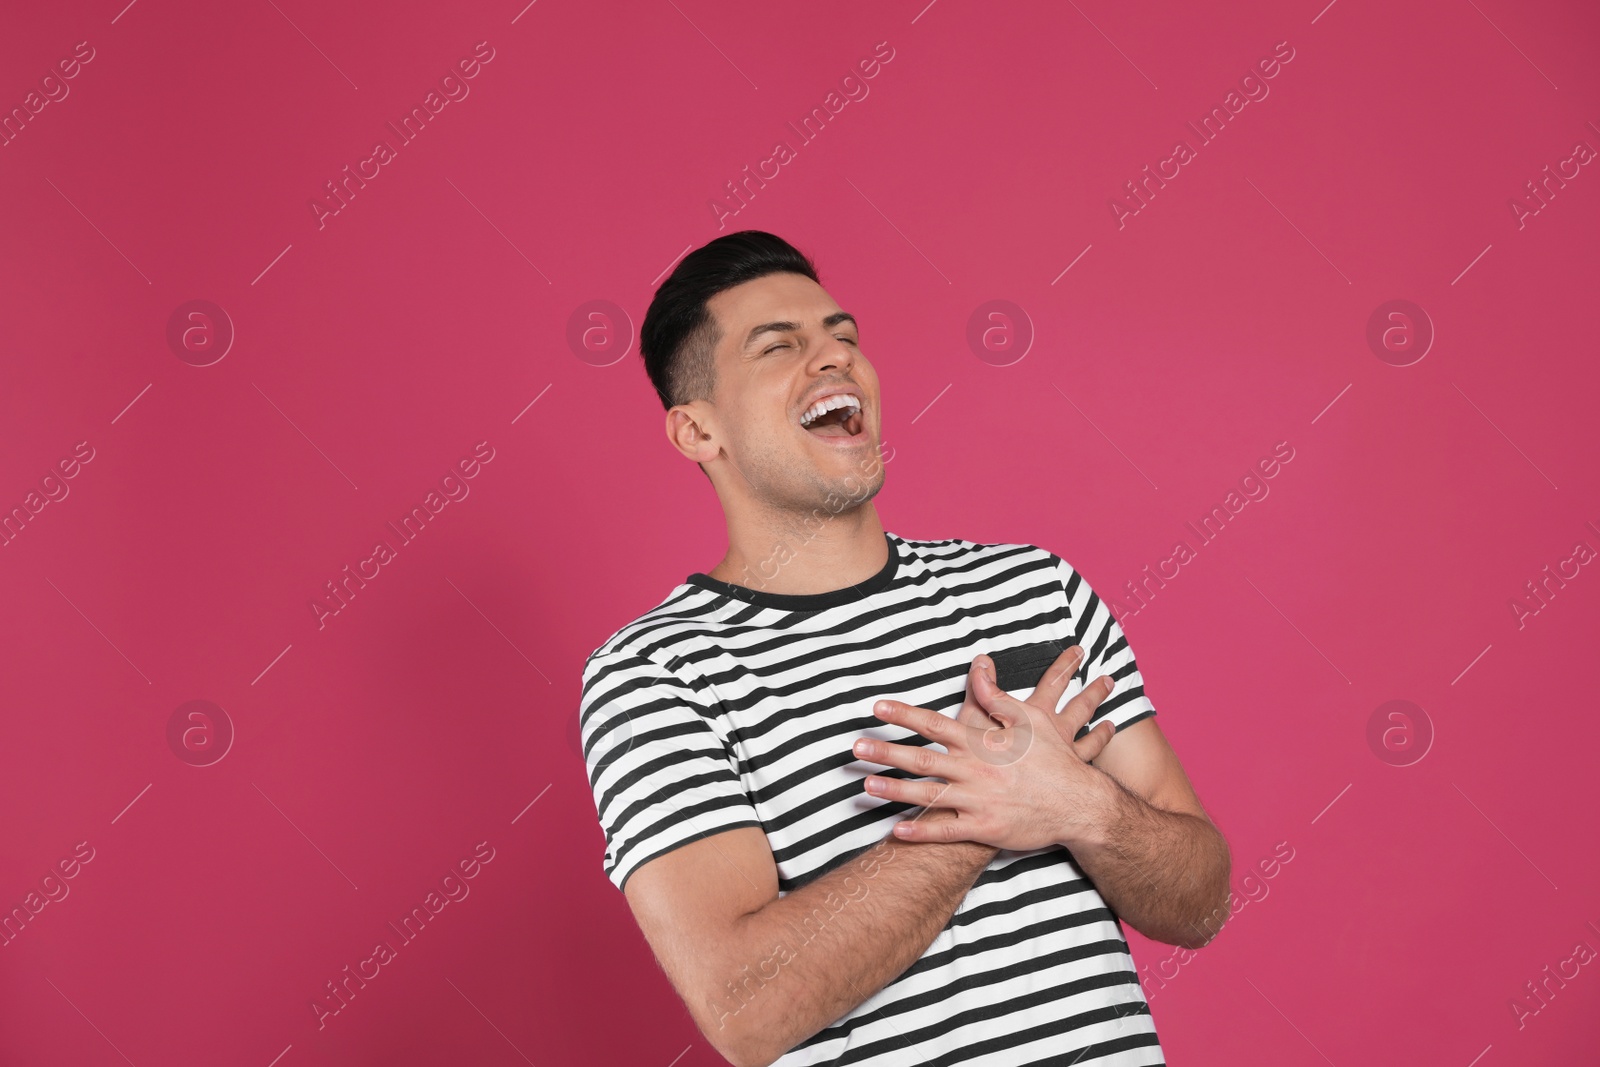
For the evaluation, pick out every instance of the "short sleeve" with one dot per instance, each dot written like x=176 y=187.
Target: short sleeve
x=661 y=775
x=1106 y=652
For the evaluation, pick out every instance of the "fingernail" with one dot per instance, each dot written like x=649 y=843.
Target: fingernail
x=881 y=707
x=863 y=747
x=874 y=785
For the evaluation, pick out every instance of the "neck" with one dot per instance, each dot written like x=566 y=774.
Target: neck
x=780 y=554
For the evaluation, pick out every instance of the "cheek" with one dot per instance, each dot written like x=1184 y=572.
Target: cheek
x=867 y=375
x=757 y=423
x=768 y=410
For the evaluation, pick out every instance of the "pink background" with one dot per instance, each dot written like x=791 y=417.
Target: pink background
x=374 y=752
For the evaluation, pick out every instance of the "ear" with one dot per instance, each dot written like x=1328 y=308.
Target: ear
x=689 y=430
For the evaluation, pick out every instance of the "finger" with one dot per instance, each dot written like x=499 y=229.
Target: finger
x=929 y=724
x=1094 y=741
x=922 y=794
x=1047 y=694
x=918 y=759
x=934 y=830
x=1080 y=709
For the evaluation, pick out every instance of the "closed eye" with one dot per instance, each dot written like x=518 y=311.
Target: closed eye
x=774 y=348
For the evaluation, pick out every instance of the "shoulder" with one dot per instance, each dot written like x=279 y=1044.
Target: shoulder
x=660 y=637
x=957 y=554
x=1003 y=570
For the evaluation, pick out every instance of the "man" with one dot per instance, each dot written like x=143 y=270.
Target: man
x=753 y=738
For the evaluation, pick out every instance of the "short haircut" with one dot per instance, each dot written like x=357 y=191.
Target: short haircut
x=679 y=333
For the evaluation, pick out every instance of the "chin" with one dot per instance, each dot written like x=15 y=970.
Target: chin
x=858 y=484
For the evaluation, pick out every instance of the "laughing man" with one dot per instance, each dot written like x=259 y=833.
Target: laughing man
x=839 y=789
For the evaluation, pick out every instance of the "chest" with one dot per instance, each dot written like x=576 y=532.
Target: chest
x=792 y=727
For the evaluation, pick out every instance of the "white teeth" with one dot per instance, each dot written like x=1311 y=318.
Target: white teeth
x=827 y=404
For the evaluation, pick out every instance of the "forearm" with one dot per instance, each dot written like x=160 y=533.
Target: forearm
x=807 y=958
x=1163 y=872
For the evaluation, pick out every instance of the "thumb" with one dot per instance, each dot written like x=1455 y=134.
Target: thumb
x=1001 y=706
x=971 y=712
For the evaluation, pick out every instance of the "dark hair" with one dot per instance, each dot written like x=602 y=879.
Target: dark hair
x=679 y=332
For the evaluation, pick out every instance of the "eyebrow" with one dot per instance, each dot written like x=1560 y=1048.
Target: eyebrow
x=787 y=327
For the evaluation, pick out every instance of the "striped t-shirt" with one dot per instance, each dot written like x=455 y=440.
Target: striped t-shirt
x=724 y=707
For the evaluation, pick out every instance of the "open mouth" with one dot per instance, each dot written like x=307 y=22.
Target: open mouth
x=834 y=416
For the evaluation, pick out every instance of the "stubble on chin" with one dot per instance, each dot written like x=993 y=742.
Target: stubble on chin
x=791 y=486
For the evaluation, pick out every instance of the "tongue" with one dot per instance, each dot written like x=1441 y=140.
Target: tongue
x=828 y=426
x=834 y=423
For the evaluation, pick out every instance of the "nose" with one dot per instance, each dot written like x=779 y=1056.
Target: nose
x=832 y=354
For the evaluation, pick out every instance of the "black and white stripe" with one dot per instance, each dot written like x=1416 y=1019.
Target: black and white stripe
x=724 y=707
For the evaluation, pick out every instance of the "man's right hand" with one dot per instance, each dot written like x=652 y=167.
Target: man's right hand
x=973 y=715
x=712 y=914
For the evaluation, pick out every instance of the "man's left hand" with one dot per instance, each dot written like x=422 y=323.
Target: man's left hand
x=1021 y=785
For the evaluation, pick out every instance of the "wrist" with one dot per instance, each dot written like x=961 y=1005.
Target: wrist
x=1093 y=824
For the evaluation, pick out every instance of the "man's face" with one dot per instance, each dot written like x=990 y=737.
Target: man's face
x=785 y=345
